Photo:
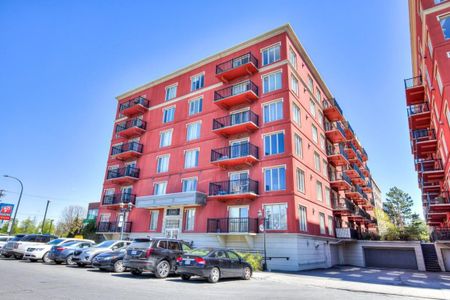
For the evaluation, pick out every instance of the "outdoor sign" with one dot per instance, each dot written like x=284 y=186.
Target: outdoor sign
x=6 y=211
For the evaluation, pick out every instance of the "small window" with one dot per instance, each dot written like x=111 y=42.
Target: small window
x=233 y=256
x=312 y=108
x=162 y=164
x=328 y=196
x=310 y=83
x=154 y=220
x=272 y=82
x=296 y=114
x=275 y=179
x=171 y=92
x=293 y=58
x=322 y=142
x=173 y=246
x=318 y=95
x=271 y=55
x=197 y=82
x=445 y=25
x=322 y=223
x=191 y=159
x=195 y=106
x=185 y=247
x=325 y=168
x=300 y=180
x=273 y=111
x=190 y=218
x=317 y=161
x=330 y=225
x=189 y=185
x=169 y=114
x=162 y=245
x=319 y=191
x=160 y=188
x=274 y=143
x=193 y=131
x=439 y=82
x=294 y=84
x=165 y=138
x=276 y=216
x=314 y=134
x=303 y=218
x=298 y=146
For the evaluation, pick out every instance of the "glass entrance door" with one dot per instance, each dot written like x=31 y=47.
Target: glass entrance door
x=238 y=219
x=238 y=183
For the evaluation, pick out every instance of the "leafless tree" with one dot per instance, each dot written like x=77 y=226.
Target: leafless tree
x=71 y=220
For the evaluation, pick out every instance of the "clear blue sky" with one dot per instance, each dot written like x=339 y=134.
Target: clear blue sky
x=63 y=62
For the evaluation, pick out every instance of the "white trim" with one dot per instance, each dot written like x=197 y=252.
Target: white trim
x=247 y=139
x=272 y=101
x=274 y=167
x=238 y=172
x=239 y=111
x=272 y=133
x=196 y=75
x=270 y=46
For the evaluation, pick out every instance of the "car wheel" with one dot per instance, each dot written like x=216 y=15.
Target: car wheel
x=118 y=267
x=162 y=269
x=247 y=274
x=33 y=260
x=69 y=260
x=214 y=275
x=58 y=262
x=136 y=272
x=185 y=277
x=80 y=265
x=45 y=258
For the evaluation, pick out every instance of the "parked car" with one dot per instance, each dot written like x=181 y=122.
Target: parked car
x=154 y=255
x=64 y=253
x=213 y=264
x=21 y=246
x=37 y=252
x=7 y=250
x=4 y=239
x=84 y=257
x=110 y=261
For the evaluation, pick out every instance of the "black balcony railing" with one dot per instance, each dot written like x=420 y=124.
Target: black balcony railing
x=361 y=212
x=236 y=89
x=430 y=165
x=441 y=234
x=119 y=198
x=235 y=151
x=236 y=62
x=333 y=126
x=351 y=146
x=330 y=103
x=123 y=172
x=347 y=233
x=344 y=204
x=332 y=150
x=412 y=82
x=340 y=176
x=136 y=101
x=114 y=227
x=126 y=147
x=360 y=174
x=131 y=123
x=421 y=135
x=236 y=119
x=232 y=187
x=232 y=225
x=418 y=109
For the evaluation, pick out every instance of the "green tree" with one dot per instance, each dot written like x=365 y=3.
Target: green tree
x=48 y=227
x=27 y=226
x=398 y=206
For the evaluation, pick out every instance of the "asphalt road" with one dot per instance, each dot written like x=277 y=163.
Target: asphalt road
x=23 y=280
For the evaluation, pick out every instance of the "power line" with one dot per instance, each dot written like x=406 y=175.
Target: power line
x=41 y=197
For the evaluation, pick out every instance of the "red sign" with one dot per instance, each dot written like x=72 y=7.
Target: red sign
x=6 y=211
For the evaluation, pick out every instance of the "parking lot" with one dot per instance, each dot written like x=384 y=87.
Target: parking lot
x=22 y=279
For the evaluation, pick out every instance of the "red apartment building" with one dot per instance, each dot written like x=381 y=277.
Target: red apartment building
x=207 y=152
x=427 y=98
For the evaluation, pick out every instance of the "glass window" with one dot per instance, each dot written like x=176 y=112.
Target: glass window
x=272 y=82
x=330 y=225
x=165 y=138
x=274 y=143
x=233 y=256
x=159 y=188
x=322 y=223
x=197 y=82
x=314 y=133
x=325 y=168
x=195 y=106
x=191 y=159
x=296 y=114
x=293 y=58
x=154 y=220
x=169 y=114
x=193 y=131
x=319 y=192
x=162 y=164
x=439 y=82
x=171 y=92
x=445 y=24
x=273 y=111
x=318 y=95
x=275 y=179
x=300 y=180
x=328 y=196
x=312 y=107
x=298 y=145
x=322 y=142
x=190 y=217
x=302 y=218
x=276 y=216
x=189 y=185
x=271 y=55
x=316 y=161
x=294 y=84
x=320 y=118
x=310 y=83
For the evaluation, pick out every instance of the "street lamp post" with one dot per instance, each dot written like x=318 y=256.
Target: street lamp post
x=261 y=215
x=45 y=216
x=124 y=211
x=18 y=203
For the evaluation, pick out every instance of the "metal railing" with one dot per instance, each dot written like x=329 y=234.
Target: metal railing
x=423 y=134
x=113 y=227
x=332 y=150
x=232 y=187
x=119 y=198
x=351 y=146
x=361 y=212
x=418 y=108
x=232 y=225
x=131 y=146
x=236 y=119
x=133 y=102
x=330 y=103
x=346 y=233
x=236 y=89
x=441 y=234
x=236 y=62
x=343 y=204
x=340 y=176
x=123 y=172
x=335 y=125
x=430 y=165
x=234 y=151
x=131 y=123
x=412 y=82
x=360 y=174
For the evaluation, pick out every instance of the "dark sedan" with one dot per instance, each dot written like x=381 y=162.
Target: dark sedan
x=213 y=264
x=64 y=253
x=110 y=261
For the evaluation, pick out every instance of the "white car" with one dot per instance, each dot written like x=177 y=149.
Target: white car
x=36 y=252
x=19 y=247
x=4 y=239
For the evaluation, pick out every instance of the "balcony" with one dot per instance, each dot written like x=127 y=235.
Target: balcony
x=351 y=151
x=343 y=207
x=335 y=133
x=355 y=193
x=332 y=110
x=234 y=189
x=365 y=170
x=113 y=227
x=364 y=156
x=337 y=155
x=131 y=128
x=118 y=199
x=419 y=116
x=355 y=174
x=438 y=203
x=240 y=93
x=235 y=155
x=414 y=90
x=232 y=225
x=123 y=175
x=424 y=142
x=430 y=170
x=429 y=187
x=242 y=122
x=127 y=151
x=367 y=187
x=340 y=181
x=243 y=65
x=346 y=233
x=441 y=234
x=349 y=133
x=133 y=107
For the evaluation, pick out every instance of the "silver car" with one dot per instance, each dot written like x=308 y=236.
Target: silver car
x=84 y=257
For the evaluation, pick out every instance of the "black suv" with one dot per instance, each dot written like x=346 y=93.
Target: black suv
x=156 y=255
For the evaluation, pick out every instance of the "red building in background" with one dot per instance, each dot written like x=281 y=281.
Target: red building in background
x=427 y=98
x=251 y=133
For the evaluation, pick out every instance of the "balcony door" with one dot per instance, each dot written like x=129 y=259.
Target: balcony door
x=172 y=222
x=240 y=117
x=125 y=197
x=239 y=148
x=130 y=167
x=238 y=219
x=238 y=182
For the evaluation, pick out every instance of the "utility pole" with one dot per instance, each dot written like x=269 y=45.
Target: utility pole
x=45 y=216
x=18 y=203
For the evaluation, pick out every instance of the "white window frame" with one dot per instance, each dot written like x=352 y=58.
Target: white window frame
x=301 y=180
x=293 y=58
x=161 y=133
x=282 y=224
x=277 y=146
x=195 y=164
x=296 y=114
x=193 y=103
x=195 y=78
x=169 y=95
x=159 y=160
x=279 y=181
x=183 y=180
x=322 y=223
x=165 y=110
x=298 y=145
x=315 y=133
x=317 y=163
x=269 y=49
x=319 y=191
x=275 y=104
x=189 y=223
x=272 y=75
x=154 y=217
x=303 y=218
x=294 y=84
x=195 y=134
x=159 y=185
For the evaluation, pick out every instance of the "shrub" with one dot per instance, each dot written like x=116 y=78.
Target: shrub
x=254 y=259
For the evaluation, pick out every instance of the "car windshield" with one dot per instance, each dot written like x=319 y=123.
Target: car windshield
x=55 y=242
x=29 y=238
x=105 y=244
x=17 y=238
x=70 y=243
x=199 y=252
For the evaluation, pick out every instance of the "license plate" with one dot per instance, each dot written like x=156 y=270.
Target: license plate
x=133 y=252
x=187 y=261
